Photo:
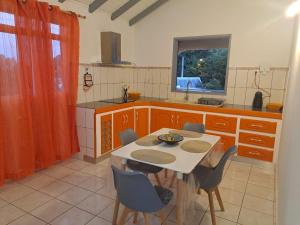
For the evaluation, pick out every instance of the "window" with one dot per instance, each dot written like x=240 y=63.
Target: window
x=200 y=64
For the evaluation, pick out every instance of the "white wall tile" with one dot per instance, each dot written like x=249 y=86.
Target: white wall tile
x=81 y=98
x=81 y=133
x=265 y=80
x=148 y=76
x=103 y=75
x=241 y=78
x=89 y=118
x=229 y=95
x=80 y=117
x=148 y=90
x=97 y=92
x=89 y=94
x=277 y=96
x=231 y=78
x=250 y=93
x=110 y=91
x=141 y=75
x=155 y=76
x=141 y=88
x=278 y=81
x=96 y=75
x=90 y=138
x=163 y=91
x=103 y=90
x=90 y=152
x=239 y=96
x=155 y=92
x=251 y=79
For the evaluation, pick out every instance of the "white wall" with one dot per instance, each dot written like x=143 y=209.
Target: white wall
x=289 y=154
x=91 y=27
x=260 y=32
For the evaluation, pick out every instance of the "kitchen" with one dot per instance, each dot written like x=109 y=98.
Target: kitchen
x=136 y=72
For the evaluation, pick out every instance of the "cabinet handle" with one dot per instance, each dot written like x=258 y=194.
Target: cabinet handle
x=256 y=139
x=257 y=125
x=254 y=153
x=123 y=118
x=177 y=119
x=222 y=124
x=172 y=118
x=137 y=116
x=126 y=118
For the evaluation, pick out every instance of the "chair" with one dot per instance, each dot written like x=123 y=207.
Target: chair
x=137 y=194
x=195 y=127
x=209 y=179
x=127 y=136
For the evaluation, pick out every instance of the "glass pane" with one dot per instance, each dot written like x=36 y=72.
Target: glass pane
x=54 y=28
x=7 y=19
x=8 y=46
x=56 y=53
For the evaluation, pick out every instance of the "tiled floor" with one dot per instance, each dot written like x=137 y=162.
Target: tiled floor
x=74 y=192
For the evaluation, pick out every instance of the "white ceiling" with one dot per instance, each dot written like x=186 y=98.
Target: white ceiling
x=112 y=5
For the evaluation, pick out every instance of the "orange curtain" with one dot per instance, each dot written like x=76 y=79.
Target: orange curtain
x=39 y=51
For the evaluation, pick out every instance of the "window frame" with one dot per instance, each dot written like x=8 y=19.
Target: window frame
x=175 y=57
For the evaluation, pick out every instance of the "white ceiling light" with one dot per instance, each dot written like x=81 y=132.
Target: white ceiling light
x=293 y=9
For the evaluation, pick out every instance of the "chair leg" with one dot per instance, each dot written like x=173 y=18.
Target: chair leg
x=157 y=179
x=211 y=207
x=217 y=192
x=124 y=215
x=116 y=211
x=172 y=180
x=146 y=219
x=161 y=217
x=135 y=217
x=166 y=173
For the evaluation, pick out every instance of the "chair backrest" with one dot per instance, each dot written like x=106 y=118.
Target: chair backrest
x=196 y=127
x=214 y=176
x=127 y=136
x=136 y=192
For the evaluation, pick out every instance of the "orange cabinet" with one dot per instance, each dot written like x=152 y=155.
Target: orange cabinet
x=228 y=141
x=255 y=153
x=258 y=140
x=258 y=125
x=106 y=133
x=162 y=119
x=183 y=117
x=142 y=122
x=122 y=121
x=221 y=123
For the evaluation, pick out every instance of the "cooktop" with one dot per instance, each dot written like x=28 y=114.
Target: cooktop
x=117 y=100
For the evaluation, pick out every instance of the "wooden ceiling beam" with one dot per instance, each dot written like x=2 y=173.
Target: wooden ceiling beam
x=95 y=5
x=61 y=1
x=123 y=9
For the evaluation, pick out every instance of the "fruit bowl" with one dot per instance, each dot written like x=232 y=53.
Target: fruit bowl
x=170 y=139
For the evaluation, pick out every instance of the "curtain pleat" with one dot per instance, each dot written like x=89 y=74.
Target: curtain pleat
x=39 y=51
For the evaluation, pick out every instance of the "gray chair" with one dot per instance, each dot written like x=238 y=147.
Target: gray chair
x=209 y=179
x=196 y=127
x=127 y=136
x=137 y=194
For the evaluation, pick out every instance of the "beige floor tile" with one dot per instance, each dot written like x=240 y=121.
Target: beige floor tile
x=32 y=201
x=109 y=192
x=95 y=204
x=107 y=213
x=232 y=184
x=250 y=217
x=98 y=221
x=201 y=201
x=74 y=195
x=51 y=210
x=93 y=184
x=259 y=191
x=76 y=178
x=233 y=197
x=220 y=221
x=258 y=204
x=263 y=165
x=264 y=181
x=153 y=220
x=259 y=171
x=58 y=172
x=192 y=216
x=93 y=169
x=15 y=192
x=28 y=220
x=3 y=203
x=56 y=188
x=74 y=216
x=67 y=161
x=236 y=175
x=77 y=165
x=231 y=211
x=9 y=213
x=39 y=181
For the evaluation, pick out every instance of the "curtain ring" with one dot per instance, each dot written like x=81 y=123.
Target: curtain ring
x=24 y=1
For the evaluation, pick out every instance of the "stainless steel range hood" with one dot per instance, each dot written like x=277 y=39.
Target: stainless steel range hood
x=110 y=48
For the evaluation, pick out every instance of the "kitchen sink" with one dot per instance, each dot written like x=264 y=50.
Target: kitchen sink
x=213 y=102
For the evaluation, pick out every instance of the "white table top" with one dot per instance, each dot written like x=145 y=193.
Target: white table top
x=185 y=161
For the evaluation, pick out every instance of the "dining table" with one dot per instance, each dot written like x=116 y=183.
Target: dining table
x=184 y=163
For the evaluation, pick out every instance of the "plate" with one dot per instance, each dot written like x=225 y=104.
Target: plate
x=170 y=138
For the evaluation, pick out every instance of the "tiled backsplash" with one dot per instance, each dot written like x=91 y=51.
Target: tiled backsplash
x=155 y=82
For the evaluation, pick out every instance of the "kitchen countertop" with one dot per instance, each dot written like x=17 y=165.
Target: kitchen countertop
x=101 y=107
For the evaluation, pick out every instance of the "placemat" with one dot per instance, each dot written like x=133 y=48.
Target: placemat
x=153 y=156
x=186 y=133
x=150 y=140
x=195 y=146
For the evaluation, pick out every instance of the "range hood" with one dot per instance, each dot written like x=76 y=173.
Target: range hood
x=110 y=48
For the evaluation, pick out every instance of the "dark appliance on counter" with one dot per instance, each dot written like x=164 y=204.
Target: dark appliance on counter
x=117 y=100
x=258 y=100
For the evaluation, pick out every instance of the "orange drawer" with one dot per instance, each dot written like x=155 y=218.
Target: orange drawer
x=221 y=123
x=258 y=125
x=255 y=153
x=255 y=139
x=228 y=141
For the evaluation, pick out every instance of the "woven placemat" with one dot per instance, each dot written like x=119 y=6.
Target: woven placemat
x=196 y=146
x=186 y=133
x=153 y=156
x=150 y=140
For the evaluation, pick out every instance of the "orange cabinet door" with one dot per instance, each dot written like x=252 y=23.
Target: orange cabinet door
x=255 y=139
x=255 y=153
x=122 y=121
x=183 y=117
x=141 y=121
x=162 y=119
x=258 y=125
x=106 y=133
x=228 y=141
x=221 y=123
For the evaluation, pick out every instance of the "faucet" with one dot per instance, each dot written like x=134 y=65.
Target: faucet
x=189 y=83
